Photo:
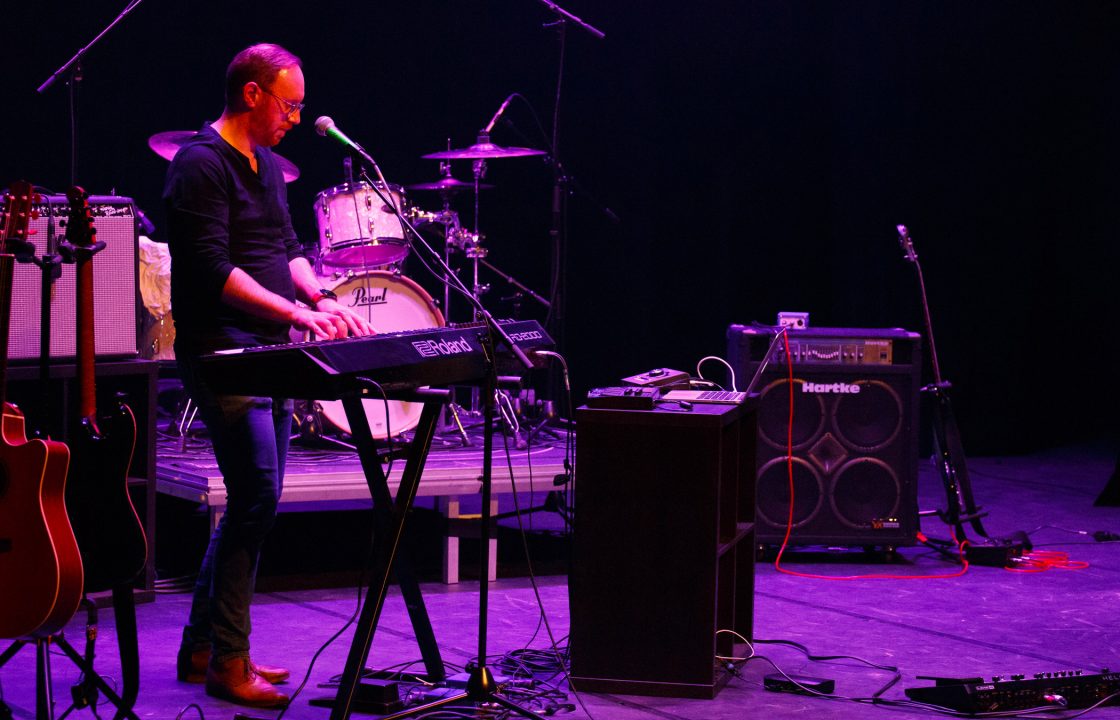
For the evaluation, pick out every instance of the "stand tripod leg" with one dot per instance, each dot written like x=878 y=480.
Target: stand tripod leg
x=124 y=710
x=44 y=693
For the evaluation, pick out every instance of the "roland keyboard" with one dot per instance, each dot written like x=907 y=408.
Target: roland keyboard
x=398 y=361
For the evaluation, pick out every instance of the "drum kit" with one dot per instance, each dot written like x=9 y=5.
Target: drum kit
x=362 y=244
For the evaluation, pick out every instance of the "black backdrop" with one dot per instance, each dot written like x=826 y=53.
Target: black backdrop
x=757 y=154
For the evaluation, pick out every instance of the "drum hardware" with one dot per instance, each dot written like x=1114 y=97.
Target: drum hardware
x=166 y=144
x=309 y=425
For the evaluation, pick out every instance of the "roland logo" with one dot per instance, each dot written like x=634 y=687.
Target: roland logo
x=360 y=297
x=431 y=348
x=830 y=388
x=523 y=336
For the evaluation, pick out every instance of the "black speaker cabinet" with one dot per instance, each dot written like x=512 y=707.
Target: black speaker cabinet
x=854 y=433
x=663 y=548
x=114 y=284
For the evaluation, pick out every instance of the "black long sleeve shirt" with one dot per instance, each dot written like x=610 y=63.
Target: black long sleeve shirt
x=222 y=215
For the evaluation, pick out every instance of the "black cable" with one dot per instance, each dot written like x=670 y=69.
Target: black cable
x=533 y=577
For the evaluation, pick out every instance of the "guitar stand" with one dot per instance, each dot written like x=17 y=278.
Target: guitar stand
x=130 y=665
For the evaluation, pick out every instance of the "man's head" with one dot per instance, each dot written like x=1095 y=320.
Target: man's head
x=265 y=82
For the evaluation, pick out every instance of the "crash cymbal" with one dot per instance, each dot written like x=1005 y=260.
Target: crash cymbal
x=447 y=185
x=166 y=144
x=483 y=151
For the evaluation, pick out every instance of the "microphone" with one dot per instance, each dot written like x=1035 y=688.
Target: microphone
x=502 y=109
x=326 y=127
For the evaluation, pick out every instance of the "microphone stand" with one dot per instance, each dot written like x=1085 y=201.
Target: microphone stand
x=558 y=294
x=72 y=69
x=481 y=687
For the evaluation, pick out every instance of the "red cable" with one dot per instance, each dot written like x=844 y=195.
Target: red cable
x=1042 y=560
x=789 y=521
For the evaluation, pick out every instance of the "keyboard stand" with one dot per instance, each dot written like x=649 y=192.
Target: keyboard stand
x=392 y=554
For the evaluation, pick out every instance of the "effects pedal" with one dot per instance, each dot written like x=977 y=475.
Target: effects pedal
x=623 y=398
x=658 y=377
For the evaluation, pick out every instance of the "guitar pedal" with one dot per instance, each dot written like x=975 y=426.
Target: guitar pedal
x=658 y=377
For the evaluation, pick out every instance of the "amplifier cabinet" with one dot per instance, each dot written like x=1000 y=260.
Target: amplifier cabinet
x=854 y=433
x=663 y=555
x=115 y=284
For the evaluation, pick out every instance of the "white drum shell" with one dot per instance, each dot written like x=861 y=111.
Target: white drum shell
x=357 y=229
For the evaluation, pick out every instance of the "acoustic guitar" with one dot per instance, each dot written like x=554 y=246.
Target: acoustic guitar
x=110 y=536
x=40 y=565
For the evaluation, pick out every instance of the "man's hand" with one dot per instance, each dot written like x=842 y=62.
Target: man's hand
x=354 y=323
x=321 y=325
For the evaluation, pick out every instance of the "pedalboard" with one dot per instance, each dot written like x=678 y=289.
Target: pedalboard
x=623 y=398
x=1063 y=690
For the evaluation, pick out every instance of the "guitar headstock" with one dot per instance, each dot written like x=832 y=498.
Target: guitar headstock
x=19 y=210
x=906 y=243
x=80 y=230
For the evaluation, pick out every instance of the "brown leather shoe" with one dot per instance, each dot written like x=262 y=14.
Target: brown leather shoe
x=191 y=667
x=235 y=680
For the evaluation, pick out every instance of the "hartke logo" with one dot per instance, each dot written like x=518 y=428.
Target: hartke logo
x=826 y=388
x=431 y=348
x=523 y=336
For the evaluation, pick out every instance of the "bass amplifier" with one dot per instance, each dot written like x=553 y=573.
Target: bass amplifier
x=854 y=433
x=115 y=283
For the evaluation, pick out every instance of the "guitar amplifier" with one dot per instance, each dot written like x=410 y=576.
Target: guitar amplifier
x=115 y=283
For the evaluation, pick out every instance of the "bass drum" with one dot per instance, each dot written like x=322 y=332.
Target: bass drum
x=391 y=303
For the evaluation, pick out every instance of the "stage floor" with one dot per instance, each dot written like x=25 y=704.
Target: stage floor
x=989 y=621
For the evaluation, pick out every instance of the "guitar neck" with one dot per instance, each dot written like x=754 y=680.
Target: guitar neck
x=85 y=346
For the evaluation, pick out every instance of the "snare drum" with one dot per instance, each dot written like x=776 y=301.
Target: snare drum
x=357 y=229
x=390 y=303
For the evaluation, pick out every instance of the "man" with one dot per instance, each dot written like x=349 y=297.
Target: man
x=237 y=269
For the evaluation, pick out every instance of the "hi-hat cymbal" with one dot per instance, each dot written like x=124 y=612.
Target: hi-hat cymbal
x=483 y=151
x=447 y=185
x=166 y=144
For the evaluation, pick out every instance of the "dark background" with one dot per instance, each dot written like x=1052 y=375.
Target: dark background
x=757 y=154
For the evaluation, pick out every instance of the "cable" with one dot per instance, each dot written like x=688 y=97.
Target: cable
x=345 y=626
x=789 y=519
x=1042 y=560
x=726 y=364
x=533 y=577
x=188 y=707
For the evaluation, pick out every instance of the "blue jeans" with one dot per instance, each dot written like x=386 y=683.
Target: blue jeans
x=250 y=436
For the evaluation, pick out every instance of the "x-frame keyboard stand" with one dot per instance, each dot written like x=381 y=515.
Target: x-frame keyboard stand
x=389 y=517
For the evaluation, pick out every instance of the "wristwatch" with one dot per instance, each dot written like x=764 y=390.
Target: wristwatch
x=322 y=294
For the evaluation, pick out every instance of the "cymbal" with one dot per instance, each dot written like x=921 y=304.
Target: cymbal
x=166 y=144
x=447 y=185
x=483 y=151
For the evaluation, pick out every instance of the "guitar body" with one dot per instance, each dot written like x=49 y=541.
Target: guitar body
x=110 y=536
x=40 y=566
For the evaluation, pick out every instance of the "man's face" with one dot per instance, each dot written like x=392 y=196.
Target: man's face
x=277 y=108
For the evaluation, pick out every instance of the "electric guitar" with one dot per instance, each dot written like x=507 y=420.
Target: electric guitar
x=110 y=536
x=947 y=447
x=40 y=566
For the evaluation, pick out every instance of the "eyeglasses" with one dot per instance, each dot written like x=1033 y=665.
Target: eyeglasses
x=290 y=108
